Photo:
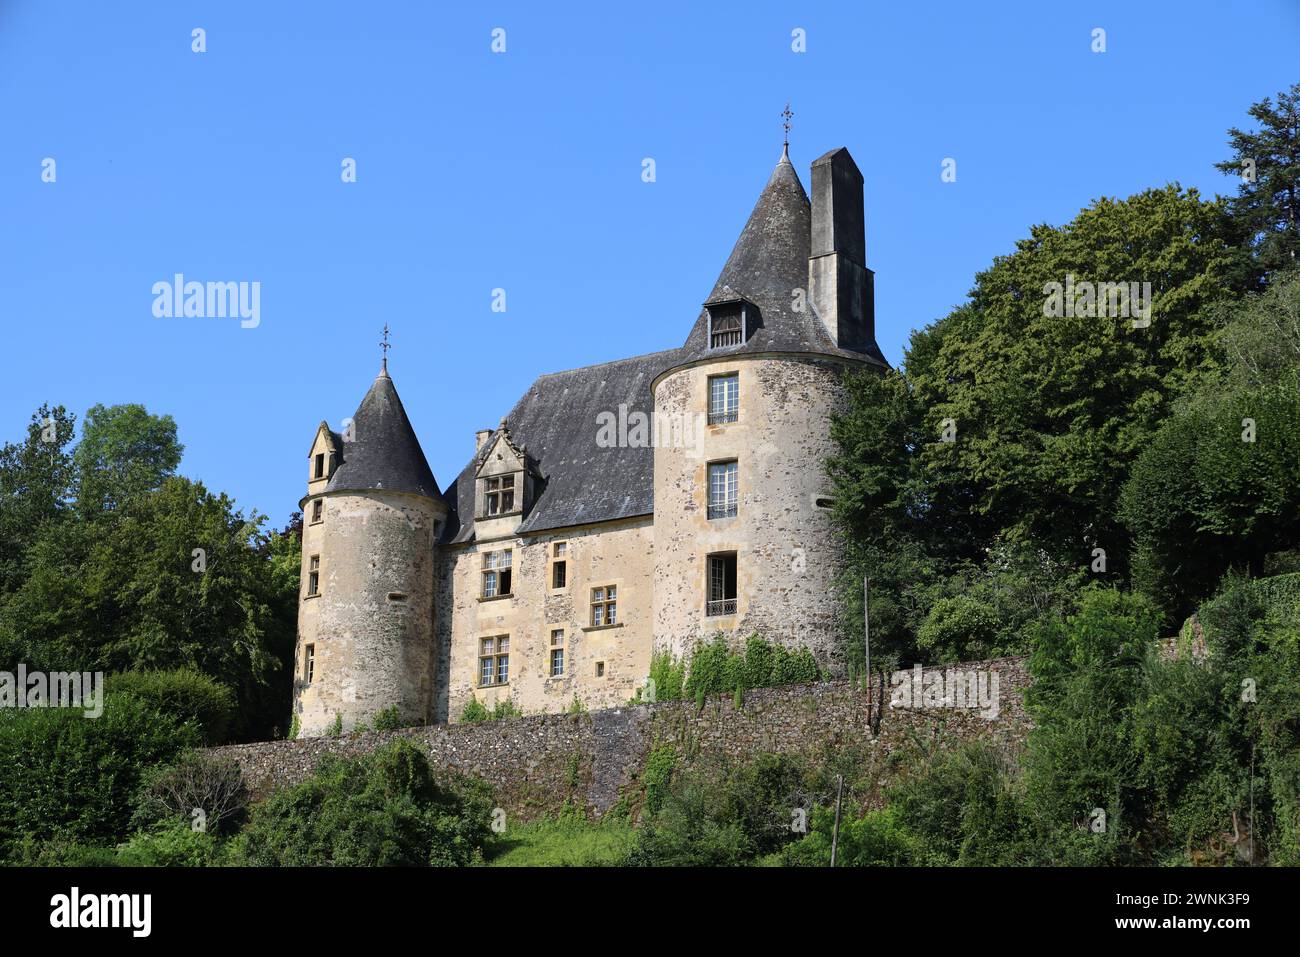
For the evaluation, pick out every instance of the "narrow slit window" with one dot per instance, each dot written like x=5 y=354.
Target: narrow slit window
x=560 y=565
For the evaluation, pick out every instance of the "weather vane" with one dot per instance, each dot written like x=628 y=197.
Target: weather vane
x=786 y=125
x=385 y=346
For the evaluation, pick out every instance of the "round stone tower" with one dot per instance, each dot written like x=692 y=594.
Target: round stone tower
x=371 y=520
x=743 y=540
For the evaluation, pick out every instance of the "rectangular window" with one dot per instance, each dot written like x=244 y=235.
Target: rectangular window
x=600 y=669
x=313 y=575
x=557 y=652
x=560 y=565
x=500 y=494
x=722 y=584
x=724 y=398
x=725 y=327
x=494 y=661
x=309 y=663
x=317 y=510
x=320 y=466
x=496 y=573
x=604 y=605
x=723 y=482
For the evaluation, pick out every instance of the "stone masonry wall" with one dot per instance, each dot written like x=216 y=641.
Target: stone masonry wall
x=785 y=546
x=537 y=763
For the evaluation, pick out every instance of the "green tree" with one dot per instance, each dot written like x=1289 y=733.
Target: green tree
x=124 y=451
x=1267 y=161
x=130 y=592
x=36 y=480
x=1218 y=487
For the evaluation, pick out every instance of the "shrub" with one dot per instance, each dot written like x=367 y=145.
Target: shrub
x=474 y=712
x=389 y=719
x=71 y=778
x=386 y=808
x=875 y=839
x=174 y=844
x=197 y=781
x=185 y=695
x=656 y=774
x=961 y=628
x=719 y=815
x=669 y=677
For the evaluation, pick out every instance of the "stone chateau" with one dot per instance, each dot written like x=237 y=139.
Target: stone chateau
x=616 y=510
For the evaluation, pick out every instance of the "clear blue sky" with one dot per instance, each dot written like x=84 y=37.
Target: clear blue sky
x=522 y=171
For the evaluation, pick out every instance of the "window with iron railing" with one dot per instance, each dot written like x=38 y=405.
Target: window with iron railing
x=724 y=398
x=722 y=585
x=723 y=489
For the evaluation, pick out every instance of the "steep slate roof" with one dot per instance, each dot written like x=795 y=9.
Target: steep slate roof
x=556 y=424
x=769 y=262
x=384 y=453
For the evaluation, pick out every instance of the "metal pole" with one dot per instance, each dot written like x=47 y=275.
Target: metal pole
x=866 y=626
x=835 y=834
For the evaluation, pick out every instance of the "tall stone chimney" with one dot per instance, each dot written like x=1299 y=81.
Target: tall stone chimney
x=840 y=285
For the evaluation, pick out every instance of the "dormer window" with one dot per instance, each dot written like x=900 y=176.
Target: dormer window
x=319 y=471
x=499 y=494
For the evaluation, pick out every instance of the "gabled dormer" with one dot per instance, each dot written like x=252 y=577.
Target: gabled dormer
x=503 y=484
x=325 y=455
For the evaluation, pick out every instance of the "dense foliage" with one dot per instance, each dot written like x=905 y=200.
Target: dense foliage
x=110 y=562
x=387 y=808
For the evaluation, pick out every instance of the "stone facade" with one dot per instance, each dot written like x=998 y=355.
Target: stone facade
x=786 y=559
x=429 y=598
x=601 y=666
x=369 y=627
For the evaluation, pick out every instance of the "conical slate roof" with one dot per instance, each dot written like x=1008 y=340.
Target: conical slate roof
x=768 y=266
x=384 y=452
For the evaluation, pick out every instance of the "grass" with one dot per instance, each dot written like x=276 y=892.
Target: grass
x=566 y=841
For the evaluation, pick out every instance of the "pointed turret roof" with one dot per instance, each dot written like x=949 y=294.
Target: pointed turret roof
x=768 y=267
x=384 y=452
